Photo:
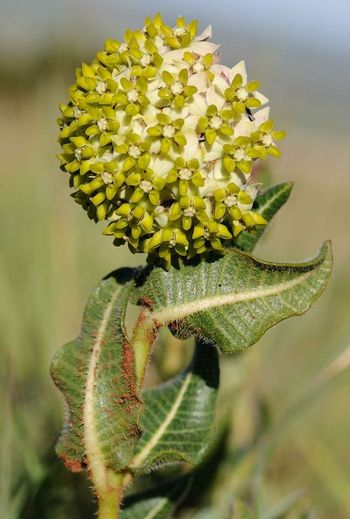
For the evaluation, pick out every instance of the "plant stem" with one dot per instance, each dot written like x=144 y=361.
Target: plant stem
x=144 y=335
x=143 y=338
x=109 y=500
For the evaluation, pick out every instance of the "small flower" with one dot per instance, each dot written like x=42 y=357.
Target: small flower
x=149 y=62
x=166 y=242
x=168 y=133
x=129 y=223
x=215 y=123
x=241 y=95
x=209 y=236
x=181 y=35
x=148 y=186
x=159 y=140
x=189 y=210
x=186 y=175
x=131 y=95
x=176 y=92
x=240 y=154
x=264 y=139
x=199 y=64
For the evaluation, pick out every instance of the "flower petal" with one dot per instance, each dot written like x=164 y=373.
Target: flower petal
x=203 y=47
x=239 y=69
x=190 y=150
x=263 y=99
x=244 y=128
x=215 y=98
x=261 y=116
x=198 y=106
x=199 y=80
x=222 y=71
x=161 y=166
x=207 y=33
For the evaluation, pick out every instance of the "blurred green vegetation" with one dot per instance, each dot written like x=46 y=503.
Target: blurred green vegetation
x=283 y=425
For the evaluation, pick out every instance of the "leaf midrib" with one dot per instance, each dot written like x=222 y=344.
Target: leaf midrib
x=92 y=449
x=270 y=201
x=142 y=455
x=175 y=313
x=156 y=509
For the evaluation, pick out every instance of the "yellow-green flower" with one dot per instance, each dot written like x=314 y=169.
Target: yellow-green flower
x=132 y=95
x=264 y=139
x=239 y=154
x=241 y=96
x=185 y=175
x=168 y=133
x=159 y=140
x=176 y=91
x=216 y=123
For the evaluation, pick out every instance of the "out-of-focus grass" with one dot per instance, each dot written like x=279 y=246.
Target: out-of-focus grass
x=50 y=259
x=51 y=256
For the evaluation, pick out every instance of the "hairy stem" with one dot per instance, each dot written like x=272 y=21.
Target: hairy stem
x=145 y=333
x=109 y=501
x=144 y=336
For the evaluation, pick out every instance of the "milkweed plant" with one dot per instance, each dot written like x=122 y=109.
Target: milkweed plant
x=160 y=141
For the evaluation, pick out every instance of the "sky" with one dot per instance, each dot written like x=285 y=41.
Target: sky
x=322 y=24
x=298 y=49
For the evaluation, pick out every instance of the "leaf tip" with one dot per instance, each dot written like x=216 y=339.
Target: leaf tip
x=289 y=185
x=326 y=251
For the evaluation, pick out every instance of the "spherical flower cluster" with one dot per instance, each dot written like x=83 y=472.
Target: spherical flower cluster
x=160 y=139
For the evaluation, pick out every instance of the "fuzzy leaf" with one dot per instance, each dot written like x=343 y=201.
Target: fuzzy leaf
x=267 y=204
x=95 y=374
x=234 y=299
x=156 y=504
x=179 y=414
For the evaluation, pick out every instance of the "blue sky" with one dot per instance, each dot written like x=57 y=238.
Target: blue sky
x=317 y=23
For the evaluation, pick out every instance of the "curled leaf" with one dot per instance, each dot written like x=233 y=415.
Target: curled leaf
x=178 y=417
x=234 y=299
x=95 y=374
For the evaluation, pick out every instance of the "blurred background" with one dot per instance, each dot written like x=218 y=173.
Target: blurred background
x=283 y=424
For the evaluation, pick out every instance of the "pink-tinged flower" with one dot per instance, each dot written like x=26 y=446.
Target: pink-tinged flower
x=160 y=140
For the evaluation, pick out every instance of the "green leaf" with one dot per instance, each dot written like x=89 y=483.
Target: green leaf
x=95 y=374
x=267 y=204
x=159 y=503
x=179 y=414
x=234 y=299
